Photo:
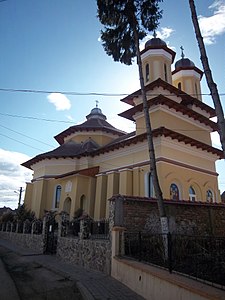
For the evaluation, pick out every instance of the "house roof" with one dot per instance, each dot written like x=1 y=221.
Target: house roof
x=74 y=150
x=179 y=107
x=92 y=124
x=186 y=99
x=69 y=149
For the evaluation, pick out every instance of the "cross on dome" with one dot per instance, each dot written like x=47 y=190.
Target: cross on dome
x=182 y=52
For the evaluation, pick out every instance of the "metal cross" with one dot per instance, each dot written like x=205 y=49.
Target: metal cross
x=182 y=51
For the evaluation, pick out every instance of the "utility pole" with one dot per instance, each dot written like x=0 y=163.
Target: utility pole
x=20 y=196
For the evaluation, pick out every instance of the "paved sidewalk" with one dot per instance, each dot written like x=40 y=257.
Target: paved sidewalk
x=93 y=285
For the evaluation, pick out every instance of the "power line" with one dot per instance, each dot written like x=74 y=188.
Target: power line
x=21 y=142
x=62 y=92
x=72 y=93
x=26 y=136
x=35 y=118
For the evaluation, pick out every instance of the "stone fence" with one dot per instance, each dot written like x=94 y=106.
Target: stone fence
x=191 y=218
x=83 y=248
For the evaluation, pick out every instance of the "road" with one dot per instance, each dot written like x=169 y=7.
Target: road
x=34 y=281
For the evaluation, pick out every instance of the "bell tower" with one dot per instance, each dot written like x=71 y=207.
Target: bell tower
x=156 y=61
x=187 y=76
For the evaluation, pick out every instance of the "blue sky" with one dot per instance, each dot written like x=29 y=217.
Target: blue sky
x=53 y=45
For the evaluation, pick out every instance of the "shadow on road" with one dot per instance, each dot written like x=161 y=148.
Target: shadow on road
x=33 y=281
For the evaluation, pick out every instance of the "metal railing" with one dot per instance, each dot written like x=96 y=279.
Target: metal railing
x=198 y=257
x=88 y=229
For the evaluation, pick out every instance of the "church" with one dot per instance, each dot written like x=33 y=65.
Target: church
x=95 y=160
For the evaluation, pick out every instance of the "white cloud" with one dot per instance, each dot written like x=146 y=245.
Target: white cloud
x=60 y=101
x=70 y=118
x=164 y=33
x=12 y=177
x=214 y=25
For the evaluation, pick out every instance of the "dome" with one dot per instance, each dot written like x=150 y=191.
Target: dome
x=184 y=63
x=155 y=42
x=96 y=113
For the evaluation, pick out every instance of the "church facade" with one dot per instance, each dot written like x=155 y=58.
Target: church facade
x=95 y=160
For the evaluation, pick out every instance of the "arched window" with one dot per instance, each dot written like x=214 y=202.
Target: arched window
x=151 y=191
x=179 y=85
x=147 y=73
x=57 y=195
x=67 y=205
x=165 y=73
x=192 y=194
x=174 y=192
x=209 y=196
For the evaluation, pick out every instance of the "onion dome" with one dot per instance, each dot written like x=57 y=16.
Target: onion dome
x=96 y=113
x=184 y=62
x=155 y=42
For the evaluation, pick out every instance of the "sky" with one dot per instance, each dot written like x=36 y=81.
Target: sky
x=53 y=68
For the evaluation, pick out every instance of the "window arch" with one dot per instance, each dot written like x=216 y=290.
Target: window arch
x=174 y=192
x=147 y=72
x=209 y=196
x=179 y=85
x=192 y=194
x=58 y=190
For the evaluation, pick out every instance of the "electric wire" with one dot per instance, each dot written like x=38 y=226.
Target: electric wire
x=21 y=142
x=73 y=93
x=26 y=136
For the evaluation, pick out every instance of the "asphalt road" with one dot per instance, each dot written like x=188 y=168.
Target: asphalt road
x=30 y=280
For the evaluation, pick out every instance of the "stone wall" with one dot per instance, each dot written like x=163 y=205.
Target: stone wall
x=30 y=241
x=141 y=214
x=93 y=254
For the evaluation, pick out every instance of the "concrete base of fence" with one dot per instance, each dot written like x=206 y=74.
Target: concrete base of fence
x=30 y=241
x=148 y=281
x=93 y=254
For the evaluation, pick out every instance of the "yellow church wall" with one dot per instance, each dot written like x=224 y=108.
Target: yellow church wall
x=188 y=85
x=112 y=188
x=28 y=196
x=53 y=167
x=101 y=138
x=184 y=178
x=125 y=182
x=100 y=197
x=39 y=198
x=162 y=118
x=157 y=69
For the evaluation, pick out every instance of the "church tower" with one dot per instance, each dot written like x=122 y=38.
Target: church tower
x=156 y=60
x=186 y=77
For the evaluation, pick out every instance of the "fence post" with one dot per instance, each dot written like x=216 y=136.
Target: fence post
x=139 y=246
x=170 y=262
x=117 y=242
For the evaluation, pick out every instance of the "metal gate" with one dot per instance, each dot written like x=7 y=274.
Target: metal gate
x=51 y=235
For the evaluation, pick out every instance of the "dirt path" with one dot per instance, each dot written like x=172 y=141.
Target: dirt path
x=36 y=282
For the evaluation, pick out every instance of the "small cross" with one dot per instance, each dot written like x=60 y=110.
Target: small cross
x=154 y=34
x=182 y=51
x=97 y=102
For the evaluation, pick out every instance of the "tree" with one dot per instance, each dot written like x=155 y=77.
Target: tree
x=209 y=78
x=126 y=22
